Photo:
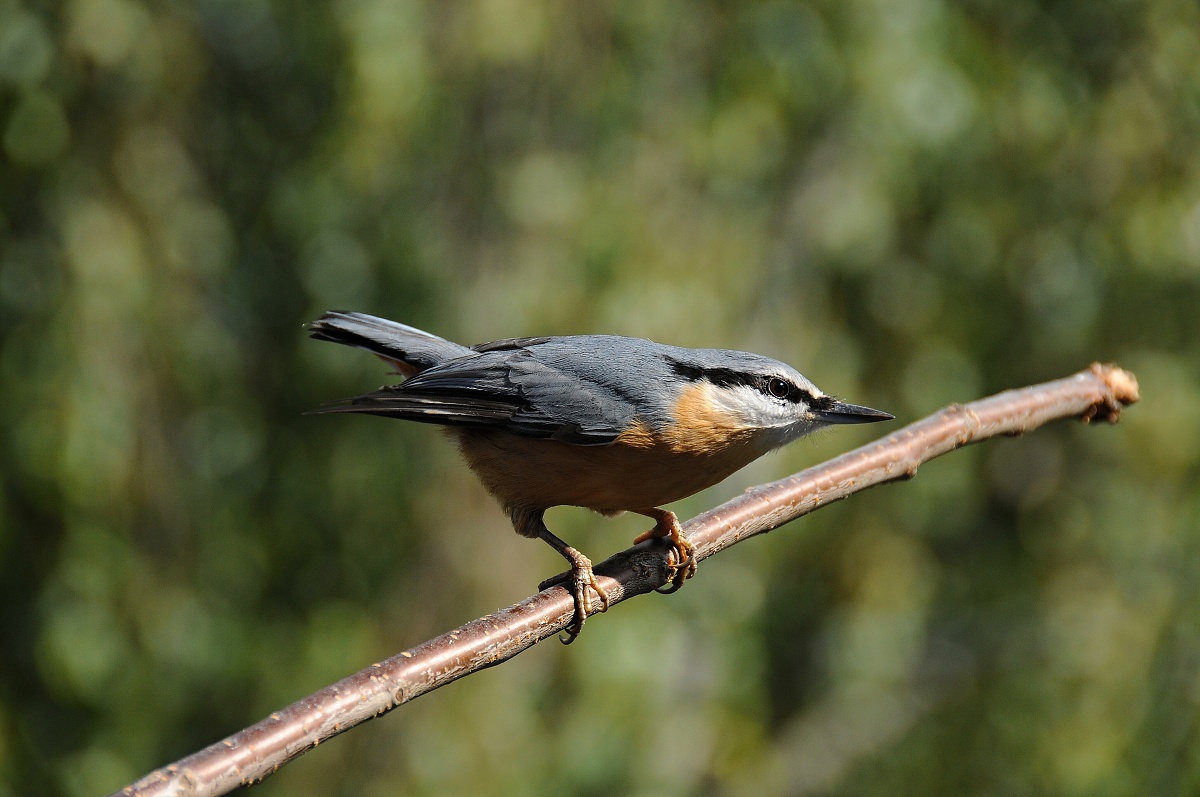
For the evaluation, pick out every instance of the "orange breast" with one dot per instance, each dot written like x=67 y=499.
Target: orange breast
x=701 y=427
x=639 y=470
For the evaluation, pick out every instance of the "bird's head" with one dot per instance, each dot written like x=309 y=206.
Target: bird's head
x=761 y=397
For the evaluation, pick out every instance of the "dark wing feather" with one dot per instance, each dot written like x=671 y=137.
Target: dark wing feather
x=506 y=388
x=391 y=402
x=509 y=344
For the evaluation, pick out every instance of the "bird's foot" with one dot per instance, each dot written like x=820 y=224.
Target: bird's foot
x=581 y=578
x=682 y=559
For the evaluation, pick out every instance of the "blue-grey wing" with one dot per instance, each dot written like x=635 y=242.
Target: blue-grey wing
x=508 y=387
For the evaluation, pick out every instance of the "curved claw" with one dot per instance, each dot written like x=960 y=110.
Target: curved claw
x=682 y=557
x=683 y=565
x=582 y=579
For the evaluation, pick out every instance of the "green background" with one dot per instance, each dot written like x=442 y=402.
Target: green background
x=912 y=201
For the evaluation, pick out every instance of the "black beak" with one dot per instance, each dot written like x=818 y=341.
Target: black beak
x=841 y=412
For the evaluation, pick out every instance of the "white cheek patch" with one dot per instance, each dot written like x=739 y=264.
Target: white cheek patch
x=751 y=408
x=776 y=422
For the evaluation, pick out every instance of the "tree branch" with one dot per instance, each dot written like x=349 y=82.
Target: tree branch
x=254 y=753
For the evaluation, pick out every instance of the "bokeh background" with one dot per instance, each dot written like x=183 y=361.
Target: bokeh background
x=913 y=201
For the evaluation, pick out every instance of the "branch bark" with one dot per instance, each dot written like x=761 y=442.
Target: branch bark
x=251 y=755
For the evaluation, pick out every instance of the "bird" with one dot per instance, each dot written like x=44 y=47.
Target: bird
x=610 y=423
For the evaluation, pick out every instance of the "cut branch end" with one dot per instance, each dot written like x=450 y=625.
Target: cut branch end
x=1122 y=391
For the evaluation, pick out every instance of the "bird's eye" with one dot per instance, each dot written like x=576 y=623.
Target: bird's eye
x=778 y=388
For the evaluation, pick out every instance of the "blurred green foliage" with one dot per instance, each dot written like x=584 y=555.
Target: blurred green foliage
x=914 y=202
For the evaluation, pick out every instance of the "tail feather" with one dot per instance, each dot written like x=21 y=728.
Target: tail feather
x=406 y=348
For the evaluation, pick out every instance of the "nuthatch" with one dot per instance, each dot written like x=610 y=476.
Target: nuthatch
x=604 y=422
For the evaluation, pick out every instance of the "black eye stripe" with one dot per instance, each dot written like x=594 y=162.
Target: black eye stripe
x=795 y=393
x=725 y=377
x=819 y=403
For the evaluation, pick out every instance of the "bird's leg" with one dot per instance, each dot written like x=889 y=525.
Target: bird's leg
x=683 y=563
x=582 y=578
